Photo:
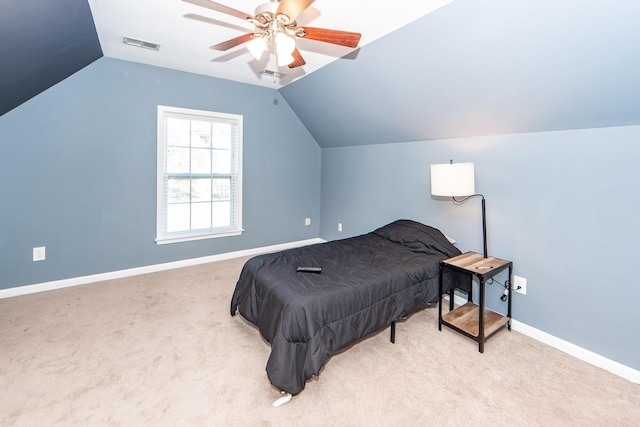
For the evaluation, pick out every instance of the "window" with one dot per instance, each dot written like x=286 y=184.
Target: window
x=199 y=174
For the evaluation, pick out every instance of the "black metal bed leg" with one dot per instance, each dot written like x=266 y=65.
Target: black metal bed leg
x=393 y=332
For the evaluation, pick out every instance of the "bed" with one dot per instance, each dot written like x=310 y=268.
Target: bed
x=367 y=282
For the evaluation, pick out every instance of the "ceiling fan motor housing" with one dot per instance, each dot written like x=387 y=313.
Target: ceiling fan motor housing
x=265 y=15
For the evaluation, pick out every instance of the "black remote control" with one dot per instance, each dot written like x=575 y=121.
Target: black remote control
x=309 y=269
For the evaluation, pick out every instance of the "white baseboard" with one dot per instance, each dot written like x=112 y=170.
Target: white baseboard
x=578 y=352
x=571 y=349
x=76 y=281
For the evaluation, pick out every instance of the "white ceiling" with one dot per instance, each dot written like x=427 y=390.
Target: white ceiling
x=185 y=32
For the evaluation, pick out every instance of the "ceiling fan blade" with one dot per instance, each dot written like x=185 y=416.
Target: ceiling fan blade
x=342 y=38
x=298 y=60
x=292 y=9
x=233 y=42
x=221 y=8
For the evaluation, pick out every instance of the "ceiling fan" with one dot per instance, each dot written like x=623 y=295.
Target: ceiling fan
x=275 y=25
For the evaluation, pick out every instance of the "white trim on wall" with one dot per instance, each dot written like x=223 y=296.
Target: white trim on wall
x=84 y=280
x=578 y=352
x=571 y=349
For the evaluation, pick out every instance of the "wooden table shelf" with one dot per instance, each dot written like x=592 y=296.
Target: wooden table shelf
x=466 y=318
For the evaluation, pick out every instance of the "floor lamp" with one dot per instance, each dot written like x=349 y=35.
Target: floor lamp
x=457 y=180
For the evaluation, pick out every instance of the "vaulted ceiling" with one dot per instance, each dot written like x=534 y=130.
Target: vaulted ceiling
x=453 y=69
x=43 y=42
x=476 y=68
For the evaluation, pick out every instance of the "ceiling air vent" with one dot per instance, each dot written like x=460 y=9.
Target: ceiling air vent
x=140 y=43
x=275 y=74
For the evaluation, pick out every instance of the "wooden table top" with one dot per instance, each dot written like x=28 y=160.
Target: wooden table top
x=476 y=263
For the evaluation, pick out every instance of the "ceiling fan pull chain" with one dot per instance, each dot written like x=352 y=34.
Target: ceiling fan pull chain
x=275 y=68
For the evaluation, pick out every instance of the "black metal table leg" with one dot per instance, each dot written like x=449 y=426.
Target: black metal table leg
x=509 y=296
x=481 y=317
x=440 y=298
x=393 y=332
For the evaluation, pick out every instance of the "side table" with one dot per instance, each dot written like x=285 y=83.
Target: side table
x=475 y=321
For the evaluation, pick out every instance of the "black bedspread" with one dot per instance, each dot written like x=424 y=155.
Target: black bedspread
x=366 y=283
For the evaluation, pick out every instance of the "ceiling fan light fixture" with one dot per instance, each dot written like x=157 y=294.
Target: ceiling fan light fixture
x=284 y=44
x=257 y=47
x=285 y=59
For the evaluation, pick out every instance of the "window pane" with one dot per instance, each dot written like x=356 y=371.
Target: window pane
x=221 y=189
x=178 y=217
x=200 y=133
x=178 y=190
x=200 y=160
x=222 y=214
x=178 y=132
x=221 y=161
x=200 y=216
x=177 y=160
x=222 y=135
x=201 y=189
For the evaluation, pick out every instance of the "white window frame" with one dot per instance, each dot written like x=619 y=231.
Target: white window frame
x=162 y=235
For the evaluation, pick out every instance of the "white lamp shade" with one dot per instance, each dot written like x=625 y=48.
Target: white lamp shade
x=452 y=179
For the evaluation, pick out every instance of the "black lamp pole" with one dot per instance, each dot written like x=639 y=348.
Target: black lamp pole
x=484 y=226
x=484 y=219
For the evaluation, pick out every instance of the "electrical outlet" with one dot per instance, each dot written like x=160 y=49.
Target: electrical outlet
x=39 y=253
x=307 y=222
x=340 y=227
x=520 y=285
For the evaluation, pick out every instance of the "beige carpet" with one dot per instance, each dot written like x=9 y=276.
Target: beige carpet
x=162 y=350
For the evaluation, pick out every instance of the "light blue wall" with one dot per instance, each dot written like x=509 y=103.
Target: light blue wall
x=78 y=172
x=561 y=205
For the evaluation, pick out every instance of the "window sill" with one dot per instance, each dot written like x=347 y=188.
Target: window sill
x=180 y=239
